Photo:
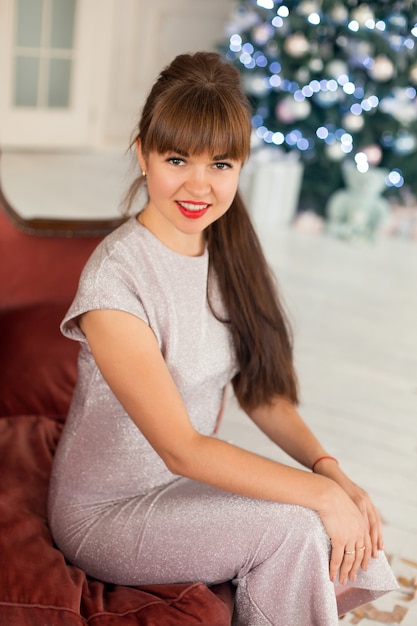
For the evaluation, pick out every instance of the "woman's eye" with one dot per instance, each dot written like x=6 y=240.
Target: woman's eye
x=175 y=161
x=222 y=166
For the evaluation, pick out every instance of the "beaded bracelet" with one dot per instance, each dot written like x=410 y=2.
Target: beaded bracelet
x=322 y=459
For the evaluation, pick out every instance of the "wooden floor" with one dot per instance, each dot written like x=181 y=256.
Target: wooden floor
x=354 y=314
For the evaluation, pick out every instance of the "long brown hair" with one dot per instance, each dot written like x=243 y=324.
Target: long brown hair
x=197 y=105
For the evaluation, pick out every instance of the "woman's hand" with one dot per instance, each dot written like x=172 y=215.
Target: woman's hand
x=348 y=530
x=369 y=512
x=373 y=540
x=362 y=500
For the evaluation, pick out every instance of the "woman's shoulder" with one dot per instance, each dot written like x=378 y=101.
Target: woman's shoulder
x=122 y=244
x=121 y=239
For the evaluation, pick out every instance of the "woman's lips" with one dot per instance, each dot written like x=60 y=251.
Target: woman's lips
x=192 y=210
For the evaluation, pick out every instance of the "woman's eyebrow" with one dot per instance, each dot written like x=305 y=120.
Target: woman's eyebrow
x=180 y=152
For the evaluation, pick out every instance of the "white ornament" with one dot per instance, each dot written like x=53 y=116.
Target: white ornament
x=382 y=69
x=326 y=99
x=405 y=143
x=336 y=68
x=353 y=123
x=307 y=7
x=316 y=65
x=262 y=33
x=241 y=21
x=297 y=45
x=400 y=106
x=363 y=14
x=255 y=84
x=302 y=109
x=413 y=73
x=334 y=151
x=339 y=14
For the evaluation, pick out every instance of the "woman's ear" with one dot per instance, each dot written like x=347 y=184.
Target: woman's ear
x=141 y=157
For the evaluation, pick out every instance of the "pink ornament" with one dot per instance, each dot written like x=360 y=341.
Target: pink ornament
x=373 y=153
x=289 y=110
x=285 y=111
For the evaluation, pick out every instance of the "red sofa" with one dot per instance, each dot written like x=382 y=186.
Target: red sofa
x=40 y=262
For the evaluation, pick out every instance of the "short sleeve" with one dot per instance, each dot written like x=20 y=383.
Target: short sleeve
x=105 y=283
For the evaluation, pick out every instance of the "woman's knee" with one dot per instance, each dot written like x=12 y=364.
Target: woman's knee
x=297 y=525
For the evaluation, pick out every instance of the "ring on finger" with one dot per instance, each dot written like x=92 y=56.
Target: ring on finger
x=355 y=550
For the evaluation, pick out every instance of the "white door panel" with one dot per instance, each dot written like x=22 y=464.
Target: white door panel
x=45 y=64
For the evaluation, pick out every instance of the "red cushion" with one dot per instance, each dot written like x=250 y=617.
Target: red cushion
x=37 y=268
x=37 y=586
x=38 y=365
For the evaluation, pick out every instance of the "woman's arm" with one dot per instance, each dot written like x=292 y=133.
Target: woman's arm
x=282 y=423
x=128 y=355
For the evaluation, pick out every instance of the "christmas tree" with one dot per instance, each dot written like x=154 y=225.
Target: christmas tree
x=332 y=81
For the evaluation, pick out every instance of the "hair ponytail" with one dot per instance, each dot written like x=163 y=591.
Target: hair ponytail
x=259 y=327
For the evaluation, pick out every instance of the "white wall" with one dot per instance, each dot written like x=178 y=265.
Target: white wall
x=146 y=37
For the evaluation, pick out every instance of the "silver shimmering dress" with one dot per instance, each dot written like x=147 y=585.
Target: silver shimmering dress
x=114 y=508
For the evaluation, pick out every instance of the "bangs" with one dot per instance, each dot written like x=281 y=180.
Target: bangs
x=195 y=120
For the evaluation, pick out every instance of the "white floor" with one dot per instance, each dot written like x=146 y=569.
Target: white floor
x=354 y=313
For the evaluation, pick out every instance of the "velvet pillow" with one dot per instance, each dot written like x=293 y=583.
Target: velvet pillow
x=37 y=586
x=38 y=366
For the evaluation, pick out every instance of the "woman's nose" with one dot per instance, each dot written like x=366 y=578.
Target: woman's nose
x=197 y=182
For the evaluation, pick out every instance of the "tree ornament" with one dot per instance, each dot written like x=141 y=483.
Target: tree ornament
x=397 y=20
x=405 y=143
x=360 y=51
x=303 y=75
x=255 y=84
x=334 y=151
x=336 y=68
x=353 y=123
x=413 y=73
x=316 y=65
x=400 y=105
x=339 y=14
x=382 y=69
x=302 y=109
x=307 y=7
x=297 y=45
x=289 y=110
x=262 y=33
x=363 y=14
x=284 y=111
x=272 y=49
x=326 y=99
x=342 y=41
x=373 y=153
x=241 y=20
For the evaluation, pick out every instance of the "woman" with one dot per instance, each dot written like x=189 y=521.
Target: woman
x=171 y=307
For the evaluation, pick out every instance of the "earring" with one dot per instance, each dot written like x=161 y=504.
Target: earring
x=143 y=174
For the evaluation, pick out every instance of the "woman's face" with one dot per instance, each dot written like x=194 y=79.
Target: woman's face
x=186 y=194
